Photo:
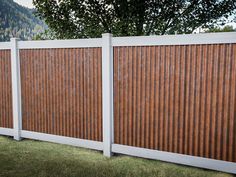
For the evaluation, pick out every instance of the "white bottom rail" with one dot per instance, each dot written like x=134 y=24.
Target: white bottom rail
x=55 y=138
x=62 y=140
x=201 y=162
x=6 y=131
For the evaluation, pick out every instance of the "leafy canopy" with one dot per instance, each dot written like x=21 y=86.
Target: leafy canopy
x=91 y=18
x=226 y=28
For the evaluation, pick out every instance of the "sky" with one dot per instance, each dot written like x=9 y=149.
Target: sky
x=26 y=3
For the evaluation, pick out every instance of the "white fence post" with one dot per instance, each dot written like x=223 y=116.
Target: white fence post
x=107 y=93
x=16 y=88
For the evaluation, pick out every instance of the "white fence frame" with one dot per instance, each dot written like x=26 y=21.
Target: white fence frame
x=107 y=42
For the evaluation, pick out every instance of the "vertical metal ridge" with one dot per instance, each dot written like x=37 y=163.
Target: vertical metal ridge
x=61 y=75
x=121 y=96
x=85 y=94
x=232 y=120
x=44 y=91
x=39 y=90
x=125 y=94
x=100 y=93
x=81 y=93
x=152 y=97
x=50 y=92
x=130 y=92
x=227 y=92
x=208 y=111
x=119 y=70
x=47 y=92
x=220 y=102
x=6 y=85
x=116 y=96
x=89 y=92
x=203 y=99
x=72 y=94
x=4 y=90
x=143 y=89
x=234 y=107
x=92 y=93
x=6 y=117
x=207 y=58
x=192 y=98
x=156 y=96
x=212 y=117
x=214 y=102
x=162 y=104
x=190 y=125
x=170 y=100
x=10 y=93
x=139 y=70
x=1 y=91
x=91 y=51
x=197 y=95
x=177 y=95
x=77 y=94
x=147 y=98
x=32 y=90
x=172 y=97
x=134 y=96
x=68 y=88
x=182 y=99
x=162 y=88
x=166 y=98
x=187 y=100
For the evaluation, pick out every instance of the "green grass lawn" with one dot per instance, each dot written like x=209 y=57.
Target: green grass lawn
x=34 y=158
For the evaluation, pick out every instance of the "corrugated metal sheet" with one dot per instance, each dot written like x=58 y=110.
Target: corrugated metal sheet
x=177 y=99
x=61 y=92
x=6 y=118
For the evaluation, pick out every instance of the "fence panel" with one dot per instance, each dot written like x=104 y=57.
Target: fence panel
x=174 y=95
x=6 y=118
x=177 y=99
x=61 y=92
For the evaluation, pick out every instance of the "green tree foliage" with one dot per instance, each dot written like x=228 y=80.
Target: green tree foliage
x=18 y=21
x=216 y=29
x=45 y=35
x=91 y=18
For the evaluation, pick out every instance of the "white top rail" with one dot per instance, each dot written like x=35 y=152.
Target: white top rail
x=5 y=45
x=72 y=43
x=183 y=39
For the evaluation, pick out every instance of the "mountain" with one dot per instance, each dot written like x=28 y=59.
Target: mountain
x=18 y=21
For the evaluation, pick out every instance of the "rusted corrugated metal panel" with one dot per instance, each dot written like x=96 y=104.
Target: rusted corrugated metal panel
x=61 y=92
x=6 y=118
x=177 y=99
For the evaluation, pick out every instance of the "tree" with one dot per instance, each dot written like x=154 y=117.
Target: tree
x=226 y=28
x=45 y=35
x=91 y=18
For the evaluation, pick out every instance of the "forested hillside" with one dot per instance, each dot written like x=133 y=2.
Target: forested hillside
x=18 y=21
